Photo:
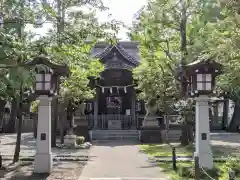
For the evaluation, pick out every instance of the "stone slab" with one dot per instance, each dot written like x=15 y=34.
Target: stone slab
x=150 y=135
x=114 y=124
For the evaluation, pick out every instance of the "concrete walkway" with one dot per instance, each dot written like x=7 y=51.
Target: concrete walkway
x=119 y=160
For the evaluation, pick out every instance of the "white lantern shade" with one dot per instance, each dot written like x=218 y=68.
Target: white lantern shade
x=208 y=78
x=199 y=77
x=39 y=86
x=39 y=77
x=208 y=86
x=200 y=86
x=43 y=82
x=48 y=77
x=204 y=82
x=47 y=86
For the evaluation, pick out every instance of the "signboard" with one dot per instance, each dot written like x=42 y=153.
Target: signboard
x=128 y=112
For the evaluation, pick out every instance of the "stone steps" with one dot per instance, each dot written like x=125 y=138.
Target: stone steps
x=114 y=134
x=173 y=135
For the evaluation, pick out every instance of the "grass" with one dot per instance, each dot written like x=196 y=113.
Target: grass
x=185 y=170
x=165 y=150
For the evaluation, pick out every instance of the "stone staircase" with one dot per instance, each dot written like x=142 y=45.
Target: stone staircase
x=173 y=135
x=114 y=134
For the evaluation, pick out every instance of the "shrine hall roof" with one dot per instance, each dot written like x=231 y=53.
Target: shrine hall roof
x=128 y=49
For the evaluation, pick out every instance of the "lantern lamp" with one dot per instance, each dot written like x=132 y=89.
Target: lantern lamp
x=48 y=75
x=45 y=81
x=92 y=81
x=201 y=76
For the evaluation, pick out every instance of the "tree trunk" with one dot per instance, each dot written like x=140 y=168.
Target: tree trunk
x=2 y=106
x=14 y=110
x=183 y=30
x=70 y=114
x=54 y=120
x=187 y=135
x=62 y=120
x=235 y=121
x=35 y=123
x=225 y=113
x=19 y=129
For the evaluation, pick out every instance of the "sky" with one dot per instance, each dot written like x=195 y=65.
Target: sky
x=121 y=10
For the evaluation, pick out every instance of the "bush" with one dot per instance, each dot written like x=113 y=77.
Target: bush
x=80 y=140
x=232 y=163
x=188 y=171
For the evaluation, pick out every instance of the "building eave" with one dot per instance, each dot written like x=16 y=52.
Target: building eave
x=121 y=50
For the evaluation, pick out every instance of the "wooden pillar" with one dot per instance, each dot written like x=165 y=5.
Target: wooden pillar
x=133 y=108
x=96 y=110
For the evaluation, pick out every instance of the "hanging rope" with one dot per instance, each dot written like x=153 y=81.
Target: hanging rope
x=111 y=88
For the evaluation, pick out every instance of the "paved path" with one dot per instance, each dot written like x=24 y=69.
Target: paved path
x=120 y=160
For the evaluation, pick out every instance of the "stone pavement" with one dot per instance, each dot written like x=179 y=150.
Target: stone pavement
x=119 y=160
x=24 y=171
x=28 y=145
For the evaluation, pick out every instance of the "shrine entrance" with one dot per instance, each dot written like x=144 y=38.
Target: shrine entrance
x=115 y=102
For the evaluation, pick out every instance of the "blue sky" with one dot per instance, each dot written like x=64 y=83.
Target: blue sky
x=122 y=10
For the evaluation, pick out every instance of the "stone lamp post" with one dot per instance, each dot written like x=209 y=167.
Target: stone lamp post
x=150 y=130
x=47 y=79
x=200 y=76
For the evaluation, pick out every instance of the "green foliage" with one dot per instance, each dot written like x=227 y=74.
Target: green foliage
x=212 y=28
x=80 y=140
x=232 y=163
x=34 y=106
x=68 y=46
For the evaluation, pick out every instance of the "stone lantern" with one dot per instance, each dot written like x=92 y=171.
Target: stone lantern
x=200 y=76
x=92 y=81
x=46 y=85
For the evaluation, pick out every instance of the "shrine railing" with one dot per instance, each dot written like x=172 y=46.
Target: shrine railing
x=115 y=121
x=118 y=121
x=109 y=121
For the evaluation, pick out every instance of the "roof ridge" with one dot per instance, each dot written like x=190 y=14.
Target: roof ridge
x=121 y=50
x=126 y=54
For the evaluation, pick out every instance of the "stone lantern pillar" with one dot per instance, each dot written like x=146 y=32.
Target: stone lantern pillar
x=201 y=76
x=45 y=88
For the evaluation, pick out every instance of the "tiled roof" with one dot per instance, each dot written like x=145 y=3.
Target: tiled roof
x=128 y=50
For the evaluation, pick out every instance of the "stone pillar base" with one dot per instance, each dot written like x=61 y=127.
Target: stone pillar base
x=70 y=140
x=150 y=135
x=83 y=131
x=43 y=163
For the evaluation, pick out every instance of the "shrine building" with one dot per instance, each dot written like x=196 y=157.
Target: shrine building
x=115 y=105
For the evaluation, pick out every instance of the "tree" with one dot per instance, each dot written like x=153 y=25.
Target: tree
x=173 y=33
x=72 y=49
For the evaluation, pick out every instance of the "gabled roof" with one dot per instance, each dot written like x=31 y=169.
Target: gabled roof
x=119 y=47
x=61 y=70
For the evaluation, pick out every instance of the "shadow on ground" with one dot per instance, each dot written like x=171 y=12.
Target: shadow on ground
x=61 y=171
x=114 y=143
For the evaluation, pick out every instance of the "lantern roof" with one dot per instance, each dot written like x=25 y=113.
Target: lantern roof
x=204 y=63
x=61 y=70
